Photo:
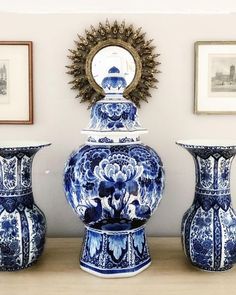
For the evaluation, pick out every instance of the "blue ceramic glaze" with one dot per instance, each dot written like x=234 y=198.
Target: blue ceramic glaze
x=114 y=81
x=22 y=223
x=209 y=226
x=115 y=253
x=114 y=183
x=108 y=183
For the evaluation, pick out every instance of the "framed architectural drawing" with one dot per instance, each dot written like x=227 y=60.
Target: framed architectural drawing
x=16 y=82
x=215 y=77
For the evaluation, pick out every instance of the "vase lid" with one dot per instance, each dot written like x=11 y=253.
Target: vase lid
x=114 y=83
x=114 y=119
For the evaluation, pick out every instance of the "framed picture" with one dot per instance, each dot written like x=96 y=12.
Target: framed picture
x=215 y=77
x=16 y=82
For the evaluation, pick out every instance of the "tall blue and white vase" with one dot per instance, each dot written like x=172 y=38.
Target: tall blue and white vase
x=22 y=223
x=209 y=226
x=114 y=183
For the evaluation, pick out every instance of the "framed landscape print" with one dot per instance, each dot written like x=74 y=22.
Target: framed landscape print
x=16 y=82
x=215 y=77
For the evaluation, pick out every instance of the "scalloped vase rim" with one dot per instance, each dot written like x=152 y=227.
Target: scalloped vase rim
x=8 y=144
x=204 y=143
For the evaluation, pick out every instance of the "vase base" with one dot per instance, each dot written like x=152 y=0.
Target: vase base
x=11 y=269
x=212 y=270
x=109 y=275
x=112 y=254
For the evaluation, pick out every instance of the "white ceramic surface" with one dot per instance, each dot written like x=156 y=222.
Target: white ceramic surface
x=22 y=144
x=208 y=142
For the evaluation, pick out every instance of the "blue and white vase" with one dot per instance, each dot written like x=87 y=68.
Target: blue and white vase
x=209 y=226
x=114 y=183
x=22 y=223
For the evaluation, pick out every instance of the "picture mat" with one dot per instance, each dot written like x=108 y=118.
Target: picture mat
x=221 y=63
x=4 y=98
x=18 y=82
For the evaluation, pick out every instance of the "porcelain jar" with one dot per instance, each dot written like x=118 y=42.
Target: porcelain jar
x=114 y=183
x=22 y=223
x=209 y=225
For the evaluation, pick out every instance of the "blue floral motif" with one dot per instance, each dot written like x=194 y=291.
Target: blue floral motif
x=203 y=222
x=104 y=183
x=139 y=241
x=126 y=139
x=206 y=175
x=105 y=140
x=94 y=243
x=91 y=139
x=200 y=251
x=9 y=172
x=116 y=179
x=8 y=228
x=114 y=116
x=224 y=169
x=26 y=171
x=117 y=244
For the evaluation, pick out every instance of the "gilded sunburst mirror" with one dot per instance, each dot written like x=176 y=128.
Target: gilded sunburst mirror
x=113 y=45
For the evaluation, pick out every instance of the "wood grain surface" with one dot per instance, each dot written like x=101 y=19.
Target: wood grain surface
x=58 y=272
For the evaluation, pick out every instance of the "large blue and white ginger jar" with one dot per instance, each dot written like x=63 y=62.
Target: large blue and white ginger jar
x=22 y=223
x=114 y=183
x=209 y=225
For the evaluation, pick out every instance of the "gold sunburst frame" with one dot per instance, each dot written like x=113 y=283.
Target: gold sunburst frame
x=113 y=35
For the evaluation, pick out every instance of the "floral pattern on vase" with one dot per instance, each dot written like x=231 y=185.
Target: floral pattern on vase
x=114 y=116
x=209 y=226
x=115 y=252
x=22 y=223
x=104 y=184
x=114 y=184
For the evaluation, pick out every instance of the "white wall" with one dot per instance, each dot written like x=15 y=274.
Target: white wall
x=168 y=116
x=121 y=6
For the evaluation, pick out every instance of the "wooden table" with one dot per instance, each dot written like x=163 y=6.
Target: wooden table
x=58 y=272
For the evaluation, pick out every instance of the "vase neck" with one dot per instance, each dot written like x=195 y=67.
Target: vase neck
x=212 y=169
x=15 y=172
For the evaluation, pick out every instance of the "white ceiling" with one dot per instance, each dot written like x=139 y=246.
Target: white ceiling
x=119 y=6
